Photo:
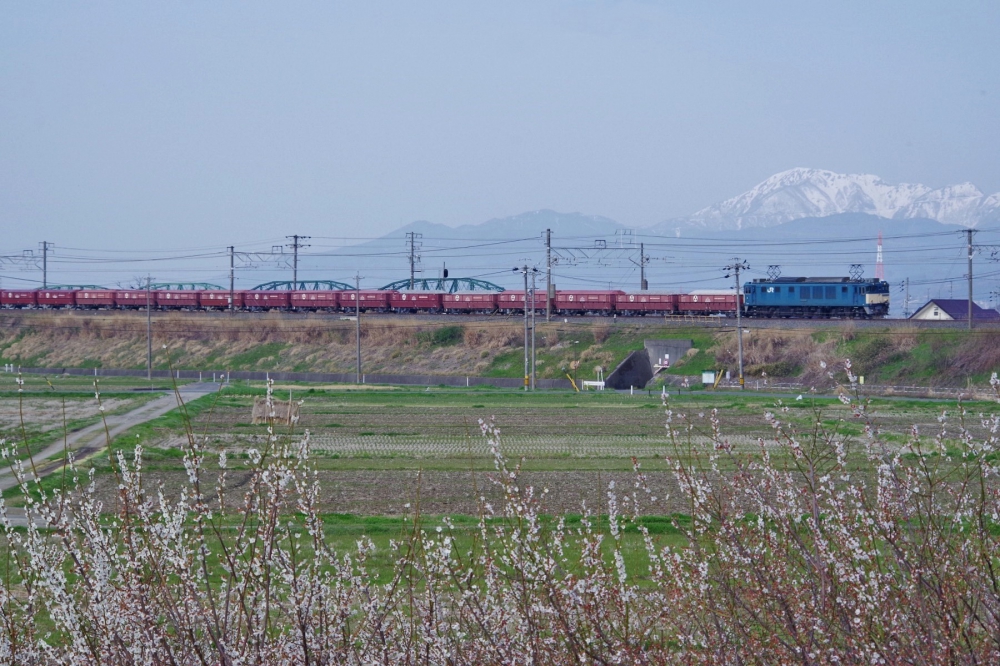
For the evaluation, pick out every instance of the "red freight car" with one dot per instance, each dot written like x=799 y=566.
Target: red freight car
x=315 y=300
x=267 y=300
x=176 y=299
x=371 y=300
x=19 y=298
x=218 y=299
x=706 y=304
x=95 y=298
x=645 y=301
x=513 y=300
x=473 y=301
x=415 y=301
x=130 y=299
x=57 y=298
x=598 y=301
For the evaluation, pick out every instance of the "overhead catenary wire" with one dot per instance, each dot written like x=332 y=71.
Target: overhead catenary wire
x=485 y=257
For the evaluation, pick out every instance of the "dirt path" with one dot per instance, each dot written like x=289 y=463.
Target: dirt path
x=93 y=438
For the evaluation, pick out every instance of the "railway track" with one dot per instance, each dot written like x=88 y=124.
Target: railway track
x=716 y=322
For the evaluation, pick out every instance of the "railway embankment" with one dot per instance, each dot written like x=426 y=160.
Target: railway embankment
x=493 y=346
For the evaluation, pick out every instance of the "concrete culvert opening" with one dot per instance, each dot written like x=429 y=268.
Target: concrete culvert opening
x=638 y=367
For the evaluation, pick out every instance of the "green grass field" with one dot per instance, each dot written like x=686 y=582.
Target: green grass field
x=391 y=460
x=377 y=448
x=81 y=384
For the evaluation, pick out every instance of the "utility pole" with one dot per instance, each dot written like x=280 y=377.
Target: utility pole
x=149 y=332
x=969 y=232
x=46 y=246
x=548 y=275
x=642 y=267
x=643 y=260
x=524 y=271
x=735 y=268
x=295 y=245
x=906 y=300
x=357 y=322
x=533 y=274
x=526 y=327
x=232 y=278
x=413 y=242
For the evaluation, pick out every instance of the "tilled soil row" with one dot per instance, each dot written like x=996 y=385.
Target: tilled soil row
x=388 y=492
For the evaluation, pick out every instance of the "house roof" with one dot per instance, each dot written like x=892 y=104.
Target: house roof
x=958 y=308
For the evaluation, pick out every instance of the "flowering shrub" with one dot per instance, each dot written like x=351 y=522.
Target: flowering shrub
x=800 y=555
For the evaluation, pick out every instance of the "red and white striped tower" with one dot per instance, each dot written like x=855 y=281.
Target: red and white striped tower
x=879 y=268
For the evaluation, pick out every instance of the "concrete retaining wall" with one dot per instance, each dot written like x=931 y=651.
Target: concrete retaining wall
x=635 y=371
x=637 y=368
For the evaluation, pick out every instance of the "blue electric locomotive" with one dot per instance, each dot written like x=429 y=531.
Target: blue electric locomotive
x=816 y=297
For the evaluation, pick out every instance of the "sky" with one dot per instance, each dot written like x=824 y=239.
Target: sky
x=195 y=125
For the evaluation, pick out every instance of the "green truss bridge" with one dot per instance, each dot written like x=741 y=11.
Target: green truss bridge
x=70 y=287
x=303 y=285
x=184 y=286
x=449 y=285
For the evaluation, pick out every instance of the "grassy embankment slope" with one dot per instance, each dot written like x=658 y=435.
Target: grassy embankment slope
x=486 y=347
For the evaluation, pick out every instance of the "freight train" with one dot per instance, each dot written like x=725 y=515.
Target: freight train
x=781 y=297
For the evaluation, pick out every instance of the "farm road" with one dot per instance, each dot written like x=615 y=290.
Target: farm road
x=91 y=439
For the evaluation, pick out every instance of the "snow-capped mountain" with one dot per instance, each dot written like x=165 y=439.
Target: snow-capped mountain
x=801 y=193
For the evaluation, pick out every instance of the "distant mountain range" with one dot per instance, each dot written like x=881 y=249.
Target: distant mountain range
x=530 y=225
x=791 y=195
x=813 y=193
x=828 y=222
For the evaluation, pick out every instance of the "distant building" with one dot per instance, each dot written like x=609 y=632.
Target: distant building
x=953 y=309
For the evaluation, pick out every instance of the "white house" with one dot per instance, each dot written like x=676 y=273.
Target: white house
x=953 y=309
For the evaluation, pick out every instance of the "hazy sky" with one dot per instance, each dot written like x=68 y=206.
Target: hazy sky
x=205 y=124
